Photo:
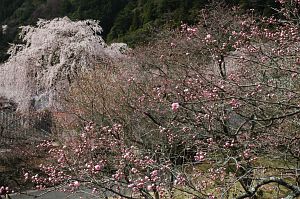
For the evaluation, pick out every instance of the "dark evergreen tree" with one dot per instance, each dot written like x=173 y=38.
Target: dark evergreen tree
x=121 y=20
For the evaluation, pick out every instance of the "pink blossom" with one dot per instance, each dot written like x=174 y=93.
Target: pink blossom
x=140 y=185
x=61 y=159
x=234 y=103
x=200 y=156
x=94 y=190
x=3 y=190
x=26 y=176
x=246 y=154
x=76 y=184
x=134 y=170
x=97 y=167
x=175 y=106
x=208 y=36
x=180 y=180
x=131 y=185
x=154 y=173
x=149 y=187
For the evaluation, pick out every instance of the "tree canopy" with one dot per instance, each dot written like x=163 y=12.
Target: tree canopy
x=122 y=20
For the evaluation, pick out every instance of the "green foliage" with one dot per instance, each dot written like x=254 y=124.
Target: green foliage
x=122 y=20
x=7 y=7
x=66 y=7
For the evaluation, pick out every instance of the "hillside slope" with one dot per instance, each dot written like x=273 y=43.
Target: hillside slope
x=129 y=21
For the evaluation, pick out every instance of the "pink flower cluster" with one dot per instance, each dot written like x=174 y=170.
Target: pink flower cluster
x=175 y=106
x=200 y=156
x=4 y=190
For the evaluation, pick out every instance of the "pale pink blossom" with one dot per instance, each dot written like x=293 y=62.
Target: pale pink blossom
x=200 y=156
x=134 y=170
x=76 y=184
x=149 y=187
x=97 y=167
x=26 y=176
x=208 y=36
x=175 y=106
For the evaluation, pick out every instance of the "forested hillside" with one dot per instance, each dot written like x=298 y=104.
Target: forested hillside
x=130 y=21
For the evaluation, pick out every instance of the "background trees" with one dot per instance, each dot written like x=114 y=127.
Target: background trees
x=122 y=20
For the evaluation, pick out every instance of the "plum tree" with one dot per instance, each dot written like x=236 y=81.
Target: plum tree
x=209 y=111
